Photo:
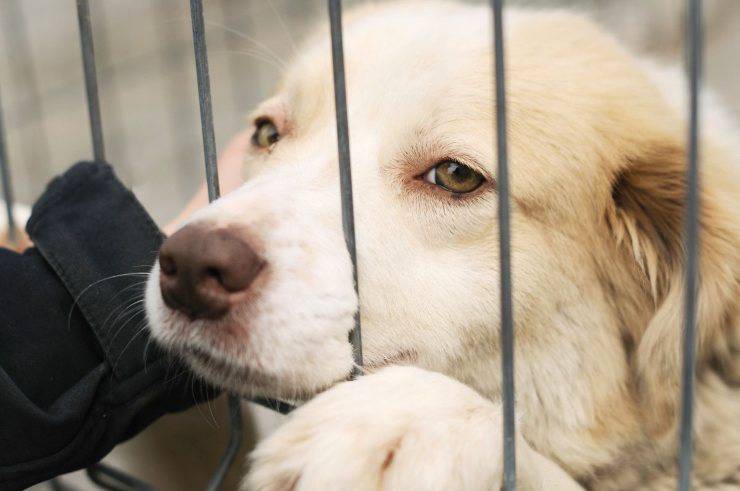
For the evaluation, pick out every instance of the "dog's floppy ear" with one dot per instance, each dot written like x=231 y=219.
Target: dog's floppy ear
x=646 y=217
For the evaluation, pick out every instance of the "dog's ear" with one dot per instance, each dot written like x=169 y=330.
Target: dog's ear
x=646 y=216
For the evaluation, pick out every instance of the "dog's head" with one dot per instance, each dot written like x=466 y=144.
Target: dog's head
x=256 y=292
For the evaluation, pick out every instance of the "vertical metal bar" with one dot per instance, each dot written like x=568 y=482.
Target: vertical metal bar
x=507 y=315
x=694 y=65
x=7 y=185
x=235 y=441
x=204 y=98
x=91 y=81
x=209 y=151
x=107 y=477
x=345 y=171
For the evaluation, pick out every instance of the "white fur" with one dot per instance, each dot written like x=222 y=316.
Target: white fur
x=305 y=310
x=378 y=434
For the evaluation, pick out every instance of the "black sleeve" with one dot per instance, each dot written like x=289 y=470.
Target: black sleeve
x=77 y=371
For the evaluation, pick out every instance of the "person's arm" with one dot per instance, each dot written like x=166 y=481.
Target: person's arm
x=78 y=374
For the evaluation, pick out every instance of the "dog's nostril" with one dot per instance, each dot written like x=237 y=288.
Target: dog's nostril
x=239 y=273
x=216 y=275
x=167 y=265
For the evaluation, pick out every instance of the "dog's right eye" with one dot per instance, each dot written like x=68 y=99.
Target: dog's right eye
x=266 y=133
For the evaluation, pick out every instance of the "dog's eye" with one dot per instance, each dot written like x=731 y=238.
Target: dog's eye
x=454 y=177
x=266 y=133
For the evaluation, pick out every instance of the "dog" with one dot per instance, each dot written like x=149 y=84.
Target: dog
x=256 y=291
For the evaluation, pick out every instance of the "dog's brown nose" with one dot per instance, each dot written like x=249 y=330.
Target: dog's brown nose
x=203 y=270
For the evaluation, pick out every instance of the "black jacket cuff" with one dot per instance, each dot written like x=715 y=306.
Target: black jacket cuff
x=93 y=257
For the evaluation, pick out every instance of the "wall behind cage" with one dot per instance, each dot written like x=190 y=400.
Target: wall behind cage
x=147 y=86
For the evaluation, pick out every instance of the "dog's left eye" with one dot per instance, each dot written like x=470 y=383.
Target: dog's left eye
x=266 y=133
x=454 y=176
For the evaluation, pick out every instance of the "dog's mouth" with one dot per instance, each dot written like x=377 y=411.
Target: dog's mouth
x=252 y=382
x=204 y=360
x=237 y=377
x=248 y=381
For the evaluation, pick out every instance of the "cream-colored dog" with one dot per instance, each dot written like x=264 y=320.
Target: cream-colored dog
x=256 y=291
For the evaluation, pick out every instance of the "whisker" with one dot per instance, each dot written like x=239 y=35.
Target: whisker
x=120 y=355
x=79 y=296
x=266 y=49
x=117 y=309
x=195 y=401
x=204 y=395
x=179 y=374
x=283 y=26
x=255 y=55
x=133 y=316
x=146 y=351
x=133 y=308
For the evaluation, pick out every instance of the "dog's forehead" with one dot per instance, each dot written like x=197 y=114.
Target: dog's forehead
x=417 y=58
x=425 y=68
x=407 y=54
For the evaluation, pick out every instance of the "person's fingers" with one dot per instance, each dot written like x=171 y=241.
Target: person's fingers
x=20 y=243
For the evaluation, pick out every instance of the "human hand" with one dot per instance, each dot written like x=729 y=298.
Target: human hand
x=19 y=240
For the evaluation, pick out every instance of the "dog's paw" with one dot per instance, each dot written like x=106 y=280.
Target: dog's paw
x=401 y=428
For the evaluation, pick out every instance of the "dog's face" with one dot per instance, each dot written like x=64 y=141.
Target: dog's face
x=420 y=112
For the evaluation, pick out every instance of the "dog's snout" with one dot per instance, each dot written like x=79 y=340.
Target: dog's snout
x=203 y=270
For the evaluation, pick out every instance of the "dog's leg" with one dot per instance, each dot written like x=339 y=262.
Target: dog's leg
x=402 y=428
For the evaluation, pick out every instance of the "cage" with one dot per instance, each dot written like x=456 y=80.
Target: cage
x=30 y=120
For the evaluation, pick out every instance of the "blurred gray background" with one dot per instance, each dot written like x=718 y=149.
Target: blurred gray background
x=147 y=86
x=150 y=117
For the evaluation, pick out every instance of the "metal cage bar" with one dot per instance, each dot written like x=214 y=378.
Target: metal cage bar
x=91 y=80
x=507 y=315
x=694 y=66
x=6 y=184
x=107 y=477
x=209 y=151
x=204 y=98
x=345 y=170
x=235 y=441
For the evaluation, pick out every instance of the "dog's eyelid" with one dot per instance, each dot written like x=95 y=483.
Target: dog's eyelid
x=264 y=119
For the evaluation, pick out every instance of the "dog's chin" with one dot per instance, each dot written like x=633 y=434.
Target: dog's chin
x=249 y=381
